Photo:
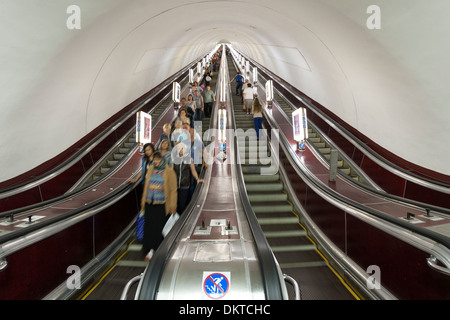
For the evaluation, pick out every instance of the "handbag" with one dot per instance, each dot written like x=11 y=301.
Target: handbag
x=140 y=226
x=169 y=224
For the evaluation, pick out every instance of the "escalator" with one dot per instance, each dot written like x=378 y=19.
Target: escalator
x=130 y=261
x=342 y=216
x=296 y=253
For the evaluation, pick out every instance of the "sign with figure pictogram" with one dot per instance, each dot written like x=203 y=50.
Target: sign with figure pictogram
x=216 y=284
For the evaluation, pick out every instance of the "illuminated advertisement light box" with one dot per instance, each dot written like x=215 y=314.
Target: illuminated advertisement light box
x=191 y=76
x=269 y=90
x=143 y=128
x=300 y=124
x=255 y=75
x=176 y=92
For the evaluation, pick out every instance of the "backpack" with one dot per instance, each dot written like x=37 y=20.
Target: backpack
x=182 y=172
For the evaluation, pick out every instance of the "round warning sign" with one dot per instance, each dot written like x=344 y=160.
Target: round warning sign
x=216 y=284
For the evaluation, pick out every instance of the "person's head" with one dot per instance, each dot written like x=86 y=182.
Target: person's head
x=249 y=85
x=182 y=113
x=164 y=145
x=183 y=101
x=149 y=149
x=185 y=126
x=196 y=92
x=190 y=97
x=166 y=128
x=180 y=149
x=208 y=88
x=257 y=107
x=157 y=159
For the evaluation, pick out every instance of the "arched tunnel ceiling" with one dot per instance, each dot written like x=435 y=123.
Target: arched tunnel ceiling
x=386 y=83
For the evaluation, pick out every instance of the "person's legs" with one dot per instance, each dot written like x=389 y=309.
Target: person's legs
x=183 y=195
x=155 y=219
x=239 y=89
x=248 y=105
x=198 y=114
x=147 y=225
x=208 y=109
x=258 y=125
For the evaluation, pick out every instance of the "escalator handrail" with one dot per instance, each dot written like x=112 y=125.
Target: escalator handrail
x=385 y=163
x=14 y=241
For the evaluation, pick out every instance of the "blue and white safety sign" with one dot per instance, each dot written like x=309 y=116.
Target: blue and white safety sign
x=216 y=284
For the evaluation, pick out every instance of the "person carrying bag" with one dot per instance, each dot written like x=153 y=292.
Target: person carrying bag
x=159 y=199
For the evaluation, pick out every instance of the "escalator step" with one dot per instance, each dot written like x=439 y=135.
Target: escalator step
x=112 y=163
x=252 y=169
x=124 y=150
x=267 y=197
x=274 y=221
x=285 y=233
x=129 y=144
x=272 y=208
x=310 y=264
x=320 y=144
x=132 y=263
x=252 y=187
x=302 y=247
x=104 y=170
x=261 y=178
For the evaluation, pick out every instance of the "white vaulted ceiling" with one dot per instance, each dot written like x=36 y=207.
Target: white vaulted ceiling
x=58 y=84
